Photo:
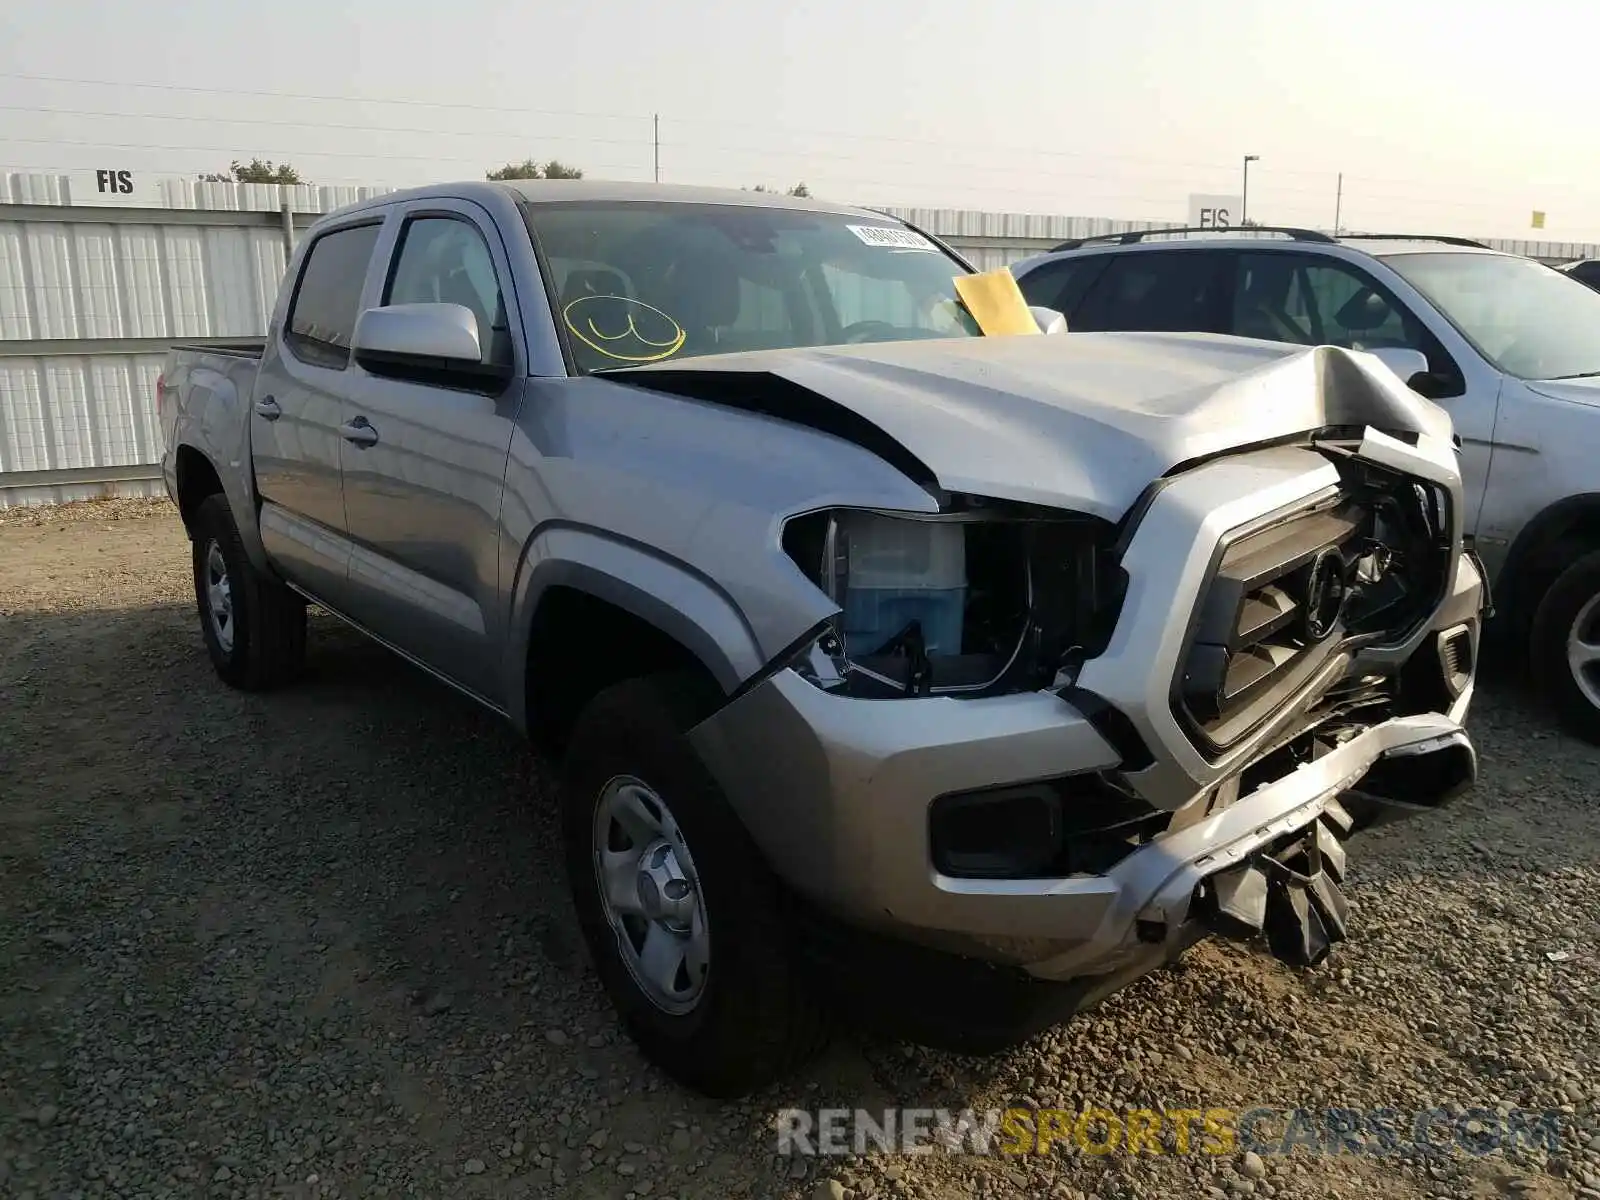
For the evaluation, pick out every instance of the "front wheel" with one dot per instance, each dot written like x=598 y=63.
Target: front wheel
x=682 y=916
x=1566 y=648
x=254 y=627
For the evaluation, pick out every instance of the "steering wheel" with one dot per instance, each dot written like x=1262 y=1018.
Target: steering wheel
x=869 y=331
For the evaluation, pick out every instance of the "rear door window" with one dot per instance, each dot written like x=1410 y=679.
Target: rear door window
x=1588 y=272
x=1173 y=291
x=323 y=311
x=1061 y=284
x=1270 y=301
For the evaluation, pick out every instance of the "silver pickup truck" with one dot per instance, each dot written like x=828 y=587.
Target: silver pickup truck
x=951 y=680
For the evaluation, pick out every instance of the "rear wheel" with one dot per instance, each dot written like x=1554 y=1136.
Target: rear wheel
x=1565 y=649
x=683 y=918
x=254 y=627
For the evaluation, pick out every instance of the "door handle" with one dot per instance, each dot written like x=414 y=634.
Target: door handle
x=359 y=432
x=269 y=408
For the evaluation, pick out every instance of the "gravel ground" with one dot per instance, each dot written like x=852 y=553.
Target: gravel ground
x=318 y=944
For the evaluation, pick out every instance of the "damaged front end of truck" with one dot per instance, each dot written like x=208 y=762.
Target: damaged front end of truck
x=1154 y=653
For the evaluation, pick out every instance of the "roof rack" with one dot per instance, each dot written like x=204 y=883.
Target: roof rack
x=1414 y=237
x=1138 y=235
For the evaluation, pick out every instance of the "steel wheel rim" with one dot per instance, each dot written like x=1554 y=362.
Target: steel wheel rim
x=1583 y=650
x=650 y=894
x=219 y=597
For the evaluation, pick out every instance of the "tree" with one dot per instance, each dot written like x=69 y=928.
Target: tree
x=256 y=171
x=798 y=189
x=526 y=169
x=529 y=169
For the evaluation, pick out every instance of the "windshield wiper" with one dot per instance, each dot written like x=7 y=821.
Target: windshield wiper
x=1579 y=375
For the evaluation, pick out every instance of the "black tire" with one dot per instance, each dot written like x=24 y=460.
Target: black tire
x=263 y=644
x=754 y=1021
x=1572 y=597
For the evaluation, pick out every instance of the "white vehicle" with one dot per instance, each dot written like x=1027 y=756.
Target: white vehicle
x=1507 y=346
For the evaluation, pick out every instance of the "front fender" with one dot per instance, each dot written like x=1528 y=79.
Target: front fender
x=668 y=595
x=1520 y=572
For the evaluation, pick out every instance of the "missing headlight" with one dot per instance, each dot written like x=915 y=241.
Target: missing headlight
x=981 y=599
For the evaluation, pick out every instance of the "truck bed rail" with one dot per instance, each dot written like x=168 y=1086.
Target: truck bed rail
x=240 y=349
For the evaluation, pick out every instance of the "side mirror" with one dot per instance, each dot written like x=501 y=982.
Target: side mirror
x=1406 y=363
x=1048 y=319
x=426 y=343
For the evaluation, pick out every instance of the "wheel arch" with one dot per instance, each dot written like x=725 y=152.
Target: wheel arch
x=1541 y=551
x=197 y=478
x=196 y=475
x=589 y=611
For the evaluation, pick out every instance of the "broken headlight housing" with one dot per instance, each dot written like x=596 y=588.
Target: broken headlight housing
x=981 y=599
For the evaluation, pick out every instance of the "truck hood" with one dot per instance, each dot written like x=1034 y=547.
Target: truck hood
x=1573 y=391
x=1078 y=421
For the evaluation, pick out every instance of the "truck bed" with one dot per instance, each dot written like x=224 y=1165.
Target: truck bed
x=239 y=349
x=215 y=380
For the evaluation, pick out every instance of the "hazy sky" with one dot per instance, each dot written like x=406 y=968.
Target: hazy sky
x=1460 y=117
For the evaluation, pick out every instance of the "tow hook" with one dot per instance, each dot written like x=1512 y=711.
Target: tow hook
x=1289 y=891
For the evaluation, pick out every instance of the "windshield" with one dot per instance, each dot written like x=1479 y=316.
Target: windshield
x=639 y=282
x=1526 y=319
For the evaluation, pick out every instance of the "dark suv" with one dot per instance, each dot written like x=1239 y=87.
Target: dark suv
x=1508 y=346
x=1584 y=270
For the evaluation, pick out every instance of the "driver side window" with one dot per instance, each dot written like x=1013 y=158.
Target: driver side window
x=1296 y=298
x=1352 y=313
x=444 y=260
x=1315 y=302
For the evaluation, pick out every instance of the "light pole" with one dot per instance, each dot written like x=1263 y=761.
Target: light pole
x=1244 y=200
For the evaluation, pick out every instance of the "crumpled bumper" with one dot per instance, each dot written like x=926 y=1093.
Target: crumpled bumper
x=836 y=793
x=1274 y=861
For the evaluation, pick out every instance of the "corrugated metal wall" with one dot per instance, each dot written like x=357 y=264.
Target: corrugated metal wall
x=81 y=410
x=77 y=414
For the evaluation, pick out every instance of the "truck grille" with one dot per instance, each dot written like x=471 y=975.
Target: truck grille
x=1356 y=568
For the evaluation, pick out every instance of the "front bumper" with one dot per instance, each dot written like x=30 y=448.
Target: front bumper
x=837 y=797
x=836 y=791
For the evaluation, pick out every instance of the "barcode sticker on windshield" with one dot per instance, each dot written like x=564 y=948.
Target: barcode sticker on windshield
x=891 y=238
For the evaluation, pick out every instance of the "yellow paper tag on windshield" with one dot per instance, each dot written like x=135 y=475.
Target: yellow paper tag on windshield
x=996 y=303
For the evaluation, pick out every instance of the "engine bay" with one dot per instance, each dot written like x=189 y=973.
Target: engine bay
x=983 y=599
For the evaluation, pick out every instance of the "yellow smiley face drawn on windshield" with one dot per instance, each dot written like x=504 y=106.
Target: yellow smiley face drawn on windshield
x=667 y=342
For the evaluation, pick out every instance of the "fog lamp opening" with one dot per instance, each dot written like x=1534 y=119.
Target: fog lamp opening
x=1050 y=829
x=996 y=835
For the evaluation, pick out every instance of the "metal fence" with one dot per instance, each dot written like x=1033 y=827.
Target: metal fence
x=91 y=297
